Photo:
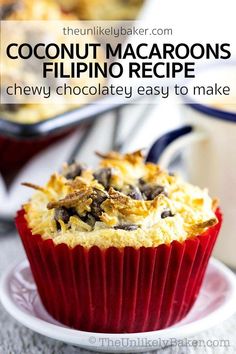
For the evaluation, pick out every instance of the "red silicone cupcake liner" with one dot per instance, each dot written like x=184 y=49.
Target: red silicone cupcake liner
x=118 y=290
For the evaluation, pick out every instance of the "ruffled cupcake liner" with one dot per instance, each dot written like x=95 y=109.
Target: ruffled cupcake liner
x=118 y=290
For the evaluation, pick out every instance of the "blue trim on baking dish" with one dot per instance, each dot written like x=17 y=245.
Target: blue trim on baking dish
x=212 y=112
x=60 y=123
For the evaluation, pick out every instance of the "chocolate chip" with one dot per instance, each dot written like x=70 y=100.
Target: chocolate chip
x=141 y=181
x=103 y=176
x=98 y=198
x=11 y=107
x=126 y=227
x=166 y=214
x=89 y=219
x=73 y=170
x=135 y=193
x=152 y=191
x=61 y=214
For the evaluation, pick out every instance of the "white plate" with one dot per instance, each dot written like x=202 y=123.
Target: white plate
x=215 y=303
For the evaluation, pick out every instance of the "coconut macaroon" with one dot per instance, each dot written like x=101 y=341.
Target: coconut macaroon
x=17 y=72
x=125 y=202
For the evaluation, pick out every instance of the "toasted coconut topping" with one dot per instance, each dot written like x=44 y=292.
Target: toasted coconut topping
x=215 y=204
x=125 y=202
x=77 y=198
x=200 y=227
x=133 y=158
x=34 y=186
